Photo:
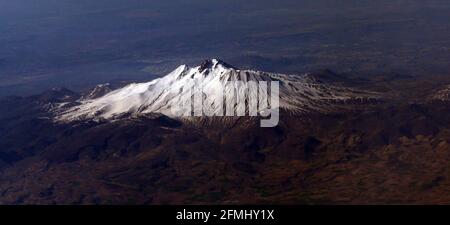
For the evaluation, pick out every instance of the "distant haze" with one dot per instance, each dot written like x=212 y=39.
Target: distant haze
x=78 y=43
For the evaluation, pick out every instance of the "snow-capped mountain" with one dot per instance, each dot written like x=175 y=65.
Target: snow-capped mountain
x=166 y=95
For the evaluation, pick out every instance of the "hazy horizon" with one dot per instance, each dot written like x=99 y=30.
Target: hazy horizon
x=77 y=44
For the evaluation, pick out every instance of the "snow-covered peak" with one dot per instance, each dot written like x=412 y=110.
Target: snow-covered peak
x=208 y=68
x=166 y=95
x=215 y=64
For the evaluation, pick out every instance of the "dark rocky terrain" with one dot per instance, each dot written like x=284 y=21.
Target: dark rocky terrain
x=393 y=152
